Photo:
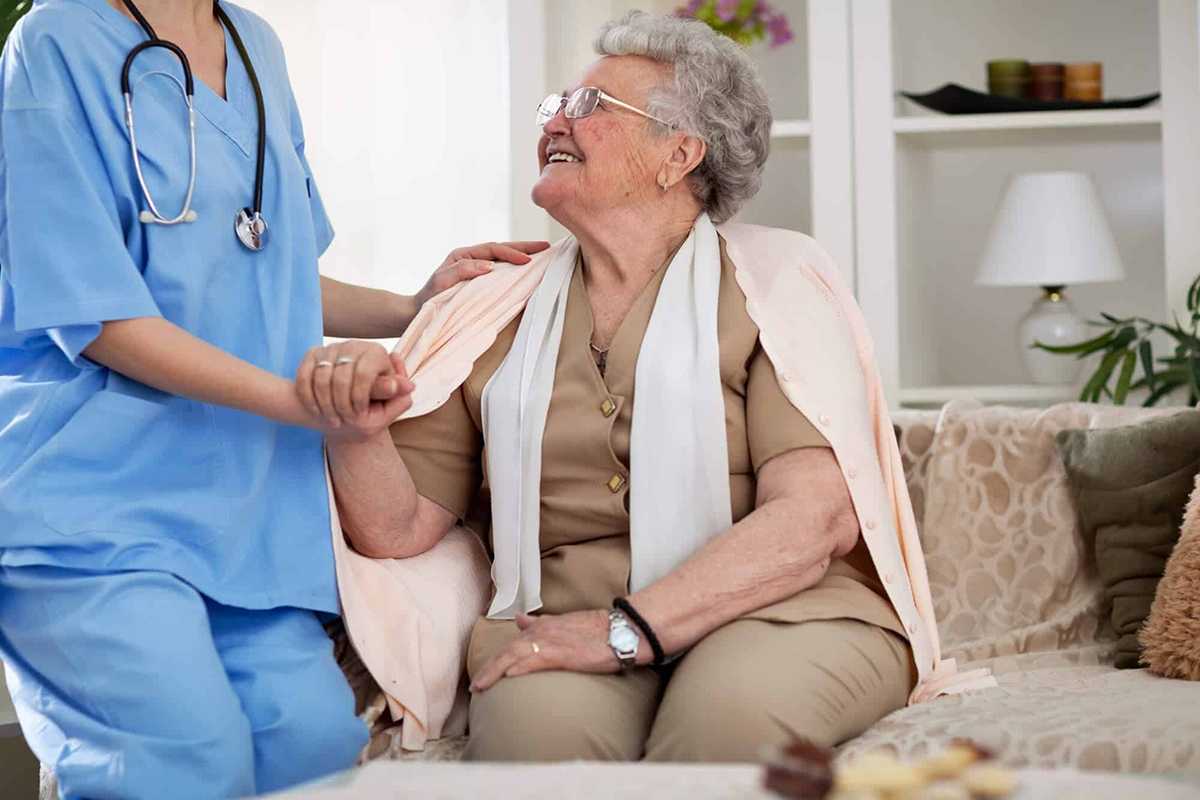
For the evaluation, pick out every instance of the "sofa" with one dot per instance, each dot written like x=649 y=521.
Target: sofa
x=1015 y=590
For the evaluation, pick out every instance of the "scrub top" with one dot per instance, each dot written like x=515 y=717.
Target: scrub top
x=102 y=473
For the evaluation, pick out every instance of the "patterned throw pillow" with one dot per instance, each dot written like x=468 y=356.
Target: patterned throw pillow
x=1008 y=567
x=1131 y=484
x=1171 y=637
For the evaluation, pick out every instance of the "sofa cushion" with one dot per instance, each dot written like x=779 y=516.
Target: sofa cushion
x=1088 y=717
x=1130 y=485
x=1171 y=637
x=1008 y=569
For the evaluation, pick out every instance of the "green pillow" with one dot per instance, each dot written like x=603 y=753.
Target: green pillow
x=1131 y=485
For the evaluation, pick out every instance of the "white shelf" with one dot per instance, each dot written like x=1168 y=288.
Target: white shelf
x=1023 y=394
x=791 y=129
x=1028 y=120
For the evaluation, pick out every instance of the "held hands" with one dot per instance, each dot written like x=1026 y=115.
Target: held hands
x=353 y=389
x=575 y=642
x=471 y=262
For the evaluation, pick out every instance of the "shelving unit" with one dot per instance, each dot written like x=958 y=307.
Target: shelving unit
x=916 y=125
x=926 y=186
x=791 y=129
x=1018 y=395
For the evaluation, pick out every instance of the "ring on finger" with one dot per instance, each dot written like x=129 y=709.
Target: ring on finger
x=536 y=649
x=344 y=360
x=323 y=363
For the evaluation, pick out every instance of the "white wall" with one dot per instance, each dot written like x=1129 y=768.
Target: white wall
x=406 y=116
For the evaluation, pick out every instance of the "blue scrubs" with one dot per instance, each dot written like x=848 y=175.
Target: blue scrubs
x=109 y=488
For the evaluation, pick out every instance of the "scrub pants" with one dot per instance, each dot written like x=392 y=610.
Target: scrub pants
x=134 y=685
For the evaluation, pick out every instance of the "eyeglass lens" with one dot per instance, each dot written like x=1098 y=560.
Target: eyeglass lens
x=582 y=102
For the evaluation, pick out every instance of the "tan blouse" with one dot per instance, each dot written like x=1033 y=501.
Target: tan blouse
x=585 y=458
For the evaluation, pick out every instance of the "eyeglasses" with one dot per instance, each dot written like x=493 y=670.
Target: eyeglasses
x=582 y=102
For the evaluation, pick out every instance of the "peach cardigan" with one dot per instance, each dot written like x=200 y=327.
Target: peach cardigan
x=410 y=619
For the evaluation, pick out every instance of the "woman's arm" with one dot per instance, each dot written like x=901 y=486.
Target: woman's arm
x=803 y=519
x=356 y=312
x=381 y=513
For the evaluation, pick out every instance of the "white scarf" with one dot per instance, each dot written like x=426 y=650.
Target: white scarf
x=679 y=464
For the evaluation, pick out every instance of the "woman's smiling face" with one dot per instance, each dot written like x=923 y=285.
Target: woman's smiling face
x=610 y=158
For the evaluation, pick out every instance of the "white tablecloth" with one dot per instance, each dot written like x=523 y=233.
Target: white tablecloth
x=388 y=780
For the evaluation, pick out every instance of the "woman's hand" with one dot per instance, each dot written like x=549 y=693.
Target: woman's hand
x=576 y=642
x=353 y=389
x=471 y=262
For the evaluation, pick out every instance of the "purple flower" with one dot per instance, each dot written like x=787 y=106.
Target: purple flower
x=690 y=9
x=779 y=30
x=727 y=9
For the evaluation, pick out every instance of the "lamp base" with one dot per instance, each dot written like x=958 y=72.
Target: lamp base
x=1053 y=321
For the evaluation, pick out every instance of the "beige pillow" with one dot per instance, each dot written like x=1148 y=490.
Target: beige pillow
x=1171 y=637
x=1008 y=568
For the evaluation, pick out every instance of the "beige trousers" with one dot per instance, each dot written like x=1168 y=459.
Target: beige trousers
x=745 y=687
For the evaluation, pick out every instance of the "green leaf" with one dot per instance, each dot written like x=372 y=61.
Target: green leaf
x=1082 y=348
x=1193 y=295
x=1124 y=377
x=1164 y=389
x=1186 y=340
x=1146 y=351
x=1096 y=384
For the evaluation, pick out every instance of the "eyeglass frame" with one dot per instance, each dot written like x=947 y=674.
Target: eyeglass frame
x=601 y=97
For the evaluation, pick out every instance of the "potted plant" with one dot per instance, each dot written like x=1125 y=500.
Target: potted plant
x=744 y=21
x=1126 y=343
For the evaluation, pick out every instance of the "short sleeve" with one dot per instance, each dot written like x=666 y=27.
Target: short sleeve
x=62 y=245
x=322 y=227
x=442 y=450
x=773 y=425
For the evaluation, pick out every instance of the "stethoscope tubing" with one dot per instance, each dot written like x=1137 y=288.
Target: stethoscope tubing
x=254 y=212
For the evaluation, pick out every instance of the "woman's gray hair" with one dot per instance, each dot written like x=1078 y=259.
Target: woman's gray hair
x=716 y=95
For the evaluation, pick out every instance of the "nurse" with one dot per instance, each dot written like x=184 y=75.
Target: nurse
x=164 y=527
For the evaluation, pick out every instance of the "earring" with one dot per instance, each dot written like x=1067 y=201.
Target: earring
x=662 y=182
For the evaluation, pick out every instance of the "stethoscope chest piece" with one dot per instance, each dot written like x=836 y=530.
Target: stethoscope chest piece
x=251 y=229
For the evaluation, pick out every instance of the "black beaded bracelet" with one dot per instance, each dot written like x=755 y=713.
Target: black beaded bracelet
x=621 y=604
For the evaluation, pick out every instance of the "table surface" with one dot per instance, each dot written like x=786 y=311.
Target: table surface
x=383 y=780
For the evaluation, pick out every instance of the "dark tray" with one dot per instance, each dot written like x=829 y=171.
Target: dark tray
x=955 y=99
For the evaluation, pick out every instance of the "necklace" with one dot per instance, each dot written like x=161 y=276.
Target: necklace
x=601 y=357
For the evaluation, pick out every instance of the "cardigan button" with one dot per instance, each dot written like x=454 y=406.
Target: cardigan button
x=870 y=524
x=851 y=473
x=823 y=419
x=608 y=407
x=615 y=483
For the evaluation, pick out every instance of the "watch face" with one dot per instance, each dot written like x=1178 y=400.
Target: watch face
x=624 y=639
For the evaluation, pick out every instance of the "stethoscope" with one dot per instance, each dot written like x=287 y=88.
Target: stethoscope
x=249 y=224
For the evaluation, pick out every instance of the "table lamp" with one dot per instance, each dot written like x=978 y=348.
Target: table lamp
x=1050 y=231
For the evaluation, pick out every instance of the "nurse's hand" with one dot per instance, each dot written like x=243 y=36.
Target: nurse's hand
x=353 y=389
x=465 y=263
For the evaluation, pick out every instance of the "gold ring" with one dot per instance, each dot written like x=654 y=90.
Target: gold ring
x=536 y=649
x=323 y=363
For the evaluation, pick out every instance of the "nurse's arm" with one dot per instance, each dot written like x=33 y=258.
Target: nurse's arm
x=382 y=514
x=160 y=354
x=356 y=312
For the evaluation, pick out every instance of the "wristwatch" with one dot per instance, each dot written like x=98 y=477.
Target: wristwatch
x=623 y=639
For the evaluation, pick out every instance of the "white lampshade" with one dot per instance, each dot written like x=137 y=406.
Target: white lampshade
x=1050 y=230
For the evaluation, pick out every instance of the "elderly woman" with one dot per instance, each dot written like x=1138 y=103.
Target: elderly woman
x=683 y=532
